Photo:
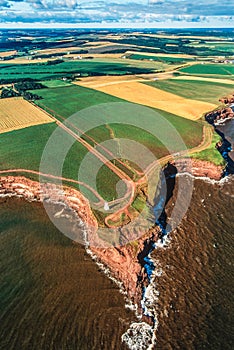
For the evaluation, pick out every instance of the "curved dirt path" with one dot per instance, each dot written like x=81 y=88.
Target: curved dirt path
x=131 y=186
x=101 y=201
x=206 y=142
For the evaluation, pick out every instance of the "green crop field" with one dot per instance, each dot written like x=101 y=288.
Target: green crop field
x=194 y=89
x=69 y=100
x=44 y=71
x=211 y=69
x=23 y=149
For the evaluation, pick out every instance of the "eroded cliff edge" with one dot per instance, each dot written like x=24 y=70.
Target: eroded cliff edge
x=126 y=262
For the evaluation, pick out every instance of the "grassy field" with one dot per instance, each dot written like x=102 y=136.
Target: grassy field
x=23 y=149
x=44 y=71
x=194 y=89
x=211 y=154
x=69 y=100
x=211 y=69
x=55 y=83
x=17 y=113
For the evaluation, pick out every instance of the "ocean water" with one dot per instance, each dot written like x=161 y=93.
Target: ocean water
x=195 y=307
x=52 y=295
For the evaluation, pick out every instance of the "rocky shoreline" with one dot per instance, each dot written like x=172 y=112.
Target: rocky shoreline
x=125 y=262
x=30 y=190
x=222 y=115
x=200 y=168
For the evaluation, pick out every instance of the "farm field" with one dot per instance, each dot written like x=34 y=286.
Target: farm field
x=69 y=100
x=149 y=96
x=44 y=71
x=209 y=69
x=207 y=79
x=64 y=101
x=157 y=58
x=55 y=83
x=193 y=89
x=17 y=113
x=23 y=149
x=31 y=142
x=93 y=82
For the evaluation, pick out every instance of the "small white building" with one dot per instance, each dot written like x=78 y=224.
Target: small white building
x=106 y=206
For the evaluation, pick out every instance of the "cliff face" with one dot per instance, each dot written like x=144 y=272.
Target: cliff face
x=228 y=99
x=34 y=191
x=124 y=262
x=200 y=168
x=220 y=116
x=223 y=114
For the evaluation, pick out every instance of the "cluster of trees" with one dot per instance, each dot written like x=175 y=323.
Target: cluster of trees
x=54 y=62
x=21 y=89
x=8 y=92
x=30 y=96
x=28 y=85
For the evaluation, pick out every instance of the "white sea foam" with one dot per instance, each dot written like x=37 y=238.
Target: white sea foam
x=139 y=336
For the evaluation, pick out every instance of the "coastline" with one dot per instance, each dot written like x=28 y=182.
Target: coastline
x=123 y=261
x=121 y=264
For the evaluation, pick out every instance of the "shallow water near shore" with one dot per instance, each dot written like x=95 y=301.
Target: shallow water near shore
x=52 y=294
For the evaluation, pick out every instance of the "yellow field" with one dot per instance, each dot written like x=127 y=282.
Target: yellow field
x=98 y=81
x=136 y=92
x=61 y=50
x=7 y=53
x=96 y=43
x=23 y=60
x=97 y=55
x=16 y=113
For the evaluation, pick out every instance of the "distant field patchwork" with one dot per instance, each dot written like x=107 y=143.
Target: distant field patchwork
x=157 y=58
x=17 y=113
